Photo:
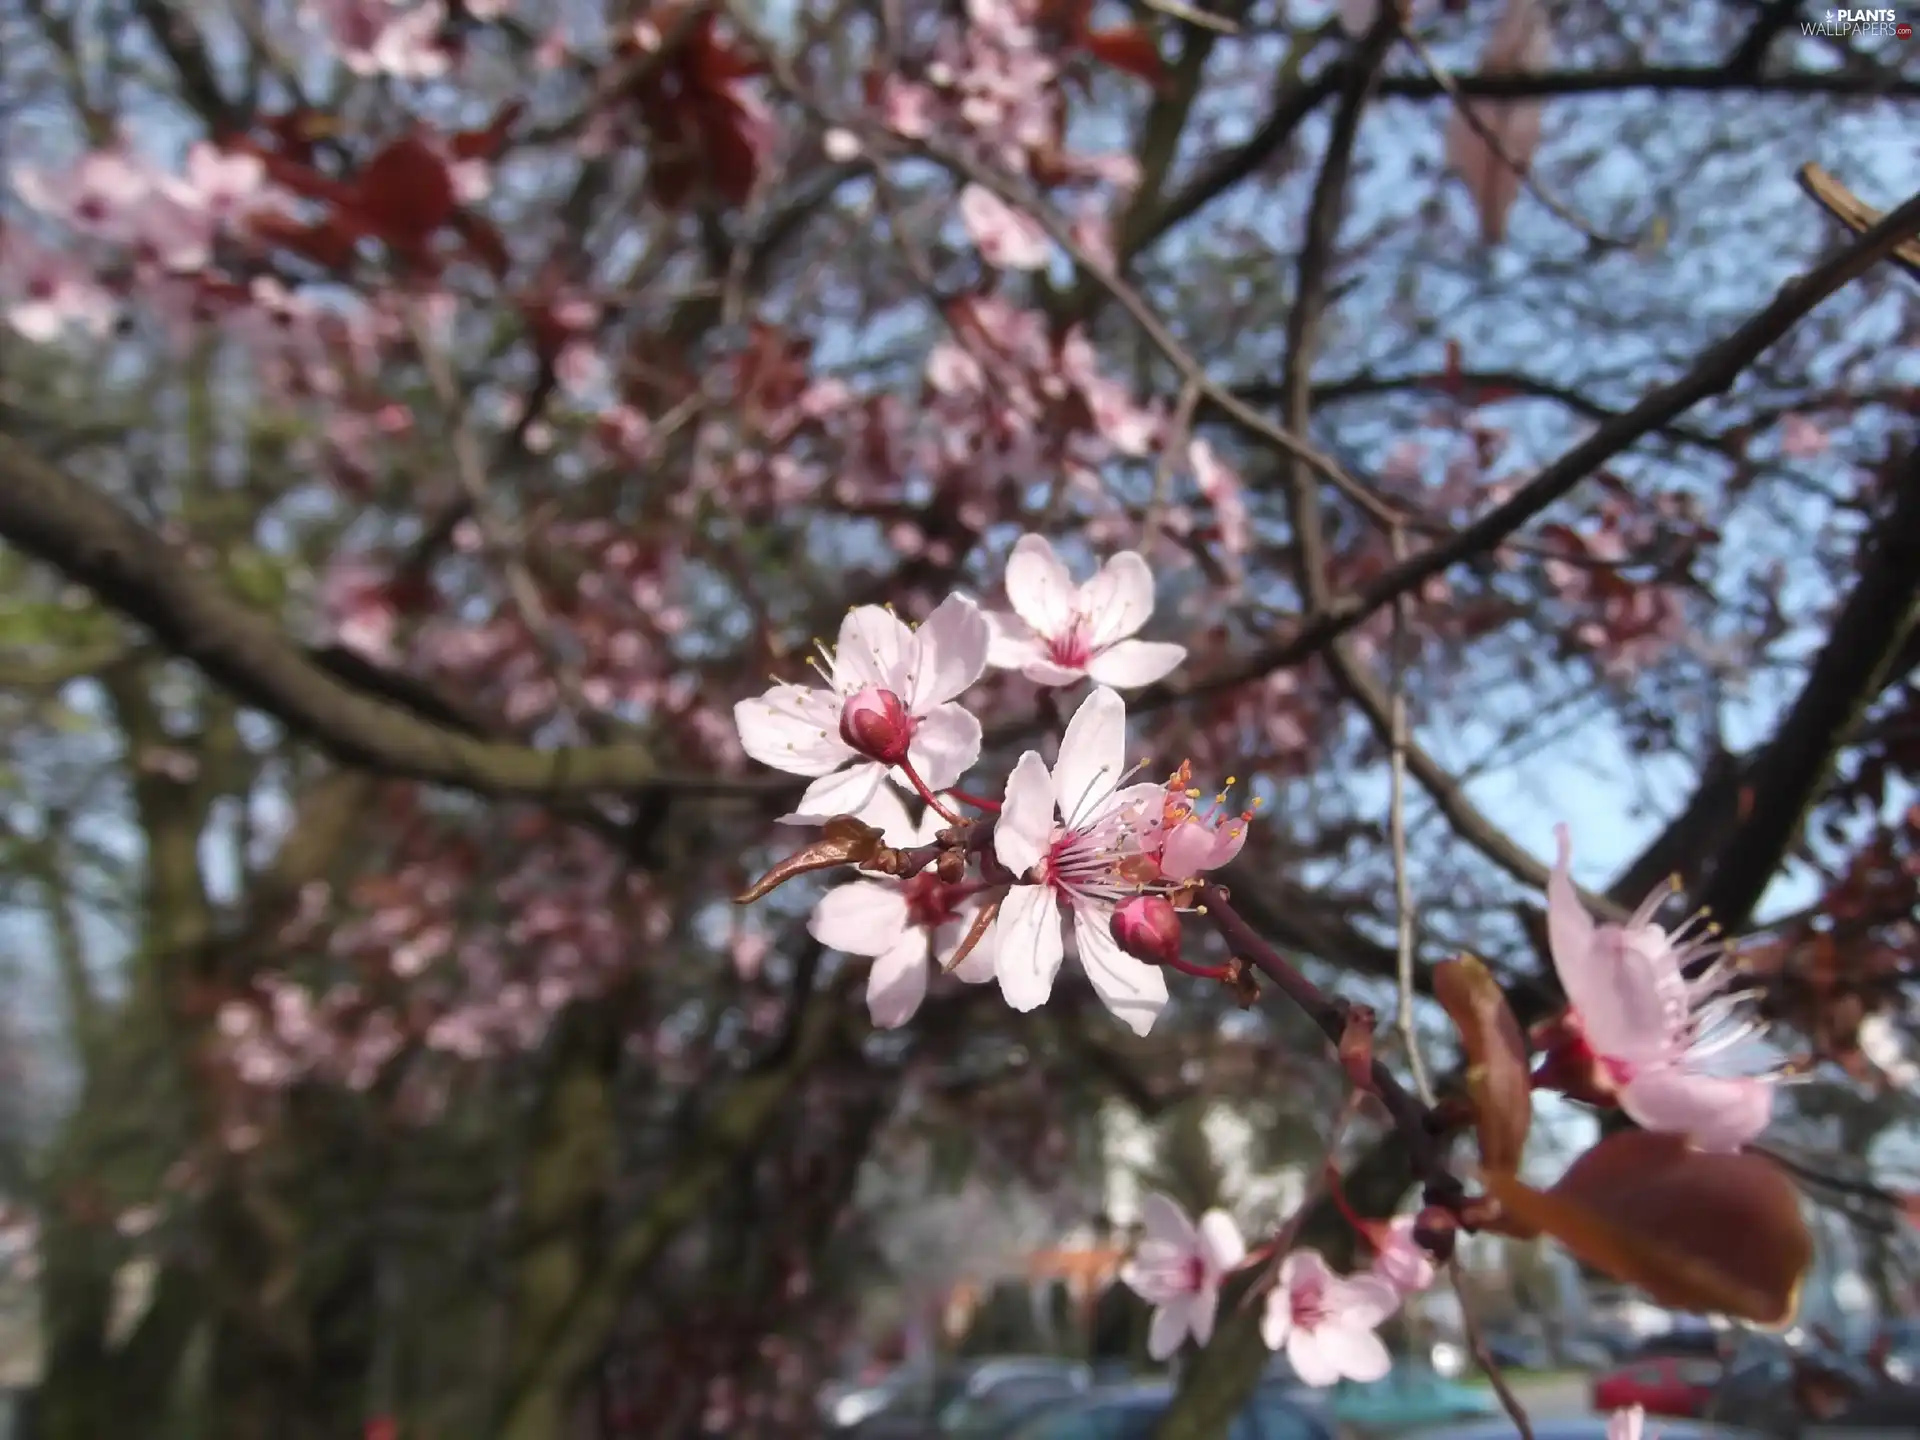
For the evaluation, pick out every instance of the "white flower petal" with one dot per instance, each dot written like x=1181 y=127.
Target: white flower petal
x=793 y=728
x=875 y=648
x=1045 y=672
x=897 y=983
x=1133 y=663
x=1200 y=1313
x=1309 y=1354
x=1221 y=1244
x=889 y=813
x=1354 y=1352
x=1093 y=753
x=1029 y=948
x=1118 y=600
x=1170 y=1326
x=946 y=742
x=1039 y=588
x=863 y=917
x=951 y=652
x=845 y=792
x=1276 y=1321
x=1011 y=642
x=978 y=967
x=1133 y=990
x=1162 y=1221
x=1025 y=828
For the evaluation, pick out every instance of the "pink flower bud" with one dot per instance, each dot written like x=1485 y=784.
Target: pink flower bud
x=876 y=723
x=1147 y=927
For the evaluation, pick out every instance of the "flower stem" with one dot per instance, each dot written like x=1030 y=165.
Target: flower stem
x=979 y=802
x=920 y=788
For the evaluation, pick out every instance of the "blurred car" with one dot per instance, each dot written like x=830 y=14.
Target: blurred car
x=996 y=1400
x=1587 y=1427
x=906 y=1404
x=1407 y=1397
x=1518 y=1352
x=1784 y=1393
x=1131 y=1413
x=1676 y=1385
x=1699 y=1341
x=1587 y=1352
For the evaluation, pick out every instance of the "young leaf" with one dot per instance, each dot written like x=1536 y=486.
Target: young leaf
x=843 y=841
x=1497 y=1079
x=1712 y=1233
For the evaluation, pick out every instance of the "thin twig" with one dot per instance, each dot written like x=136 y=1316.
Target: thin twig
x=469 y=468
x=1476 y=1342
x=1219 y=24
x=1179 y=430
x=1397 y=828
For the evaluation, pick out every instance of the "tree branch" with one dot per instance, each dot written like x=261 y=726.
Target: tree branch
x=93 y=541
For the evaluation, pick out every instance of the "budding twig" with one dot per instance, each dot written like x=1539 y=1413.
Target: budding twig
x=1409 y=1115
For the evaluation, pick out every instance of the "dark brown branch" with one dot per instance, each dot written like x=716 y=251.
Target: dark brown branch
x=95 y=542
x=1714 y=373
x=1868 y=635
x=1670 y=79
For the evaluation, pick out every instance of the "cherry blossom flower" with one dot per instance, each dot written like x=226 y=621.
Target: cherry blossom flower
x=798 y=729
x=1627 y=1424
x=44 y=290
x=1650 y=1029
x=1399 y=1259
x=902 y=924
x=1177 y=1268
x=1073 y=861
x=1060 y=631
x=1326 y=1322
x=1172 y=841
x=1006 y=238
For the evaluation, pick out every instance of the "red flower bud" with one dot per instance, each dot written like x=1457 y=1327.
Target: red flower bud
x=1147 y=927
x=876 y=723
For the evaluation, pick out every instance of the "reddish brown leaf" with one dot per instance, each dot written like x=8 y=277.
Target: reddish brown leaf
x=487 y=143
x=1497 y=1079
x=1129 y=48
x=843 y=841
x=1709 y=1233
x=327 y=243
x=976 y=932
x=485 y=241
x=406 y=192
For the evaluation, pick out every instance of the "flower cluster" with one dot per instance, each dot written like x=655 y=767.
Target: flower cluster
x=1325 y=1322
x=1072 y=840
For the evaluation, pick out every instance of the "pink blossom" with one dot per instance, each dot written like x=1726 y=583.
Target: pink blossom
x=43 y=291
x=1073 y=861
x=1060 y=631
x=1401 y=1260
x=1221 y=486
x=1177 y=1268
x=1179 y=840
x=381 y=37
x=796 y=728
x=1650 y=1028
x=1008 y=239
x=1326 y=1322
x=902 y=924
